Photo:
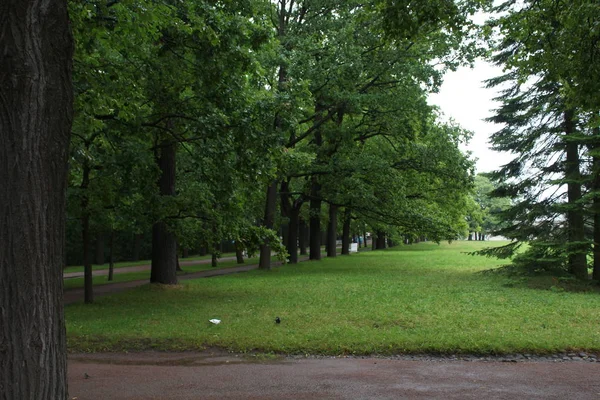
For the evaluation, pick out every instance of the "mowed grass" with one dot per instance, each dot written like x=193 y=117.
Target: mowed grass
x=410 y=299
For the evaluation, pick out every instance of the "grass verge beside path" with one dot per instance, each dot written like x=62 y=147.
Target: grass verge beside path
x=73 y=283
x=420 y=298
x=79 y=268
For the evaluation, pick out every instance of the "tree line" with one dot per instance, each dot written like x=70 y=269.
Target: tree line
x=549 y=107
x=201 y=121
x=197 y=123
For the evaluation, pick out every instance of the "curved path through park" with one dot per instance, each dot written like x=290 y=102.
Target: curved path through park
x=74 y=295
x=219 y=375
x=140 y=268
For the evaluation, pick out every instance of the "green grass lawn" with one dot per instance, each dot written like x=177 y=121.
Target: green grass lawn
x=420 y=298
x=73 y=283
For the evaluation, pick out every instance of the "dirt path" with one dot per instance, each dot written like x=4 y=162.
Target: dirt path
x=75 y=295
x=218 y=375
x=139 y=268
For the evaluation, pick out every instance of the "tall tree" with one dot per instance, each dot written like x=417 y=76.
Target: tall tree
x=35 y=123
x=548 y=49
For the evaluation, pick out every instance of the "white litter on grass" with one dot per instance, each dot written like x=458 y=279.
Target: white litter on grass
x=215 y=321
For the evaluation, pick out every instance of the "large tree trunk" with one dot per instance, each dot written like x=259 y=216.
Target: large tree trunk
x=268 y=222
x=164 y=244
x=575 y=220
x=35 y=124
x=346 y=231
x=332 y=231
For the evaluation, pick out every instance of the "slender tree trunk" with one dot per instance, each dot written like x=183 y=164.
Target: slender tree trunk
x=164 y=244
x=365 y=238
x=177 y=266
x=374 y=242
x=137 y=246
x=99 y=255
x=35 y=124
x=575 y=220
x=269 y=223
x=381 y=240
x=470 y=236
x=332 y=231
x=215 y=246
x=88 y=285
x=111 y=256
x=185 y=252
x=346 y=231
x=292 y=243
x=285 y=229
x=303 y=232
x=239 y=254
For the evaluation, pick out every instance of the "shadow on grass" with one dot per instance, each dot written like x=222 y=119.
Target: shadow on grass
x=555 y=282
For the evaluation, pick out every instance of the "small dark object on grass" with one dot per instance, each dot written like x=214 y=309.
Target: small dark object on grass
x=277 y=320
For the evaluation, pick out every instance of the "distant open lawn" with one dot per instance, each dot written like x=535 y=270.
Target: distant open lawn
x=72 y=283
x=420 y=298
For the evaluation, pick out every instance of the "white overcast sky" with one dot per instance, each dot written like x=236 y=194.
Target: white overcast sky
x=464 y=98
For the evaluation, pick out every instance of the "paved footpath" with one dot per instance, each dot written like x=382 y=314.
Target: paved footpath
x=219 y=375
x=71 y=296
x=139 y=268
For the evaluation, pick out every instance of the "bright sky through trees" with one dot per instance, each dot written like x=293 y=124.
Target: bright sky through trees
x=464 y=98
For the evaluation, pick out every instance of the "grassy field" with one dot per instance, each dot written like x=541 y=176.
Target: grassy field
x=411 y=299
x=72 y=283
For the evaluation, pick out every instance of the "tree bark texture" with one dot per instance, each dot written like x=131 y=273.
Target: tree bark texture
x=268 y=222
x=575 y=218
x=164 y=244
x=332 y=231
x=346 y=232
x=36 y=99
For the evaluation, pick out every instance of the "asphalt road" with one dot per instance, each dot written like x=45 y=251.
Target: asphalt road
x=218 y=375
